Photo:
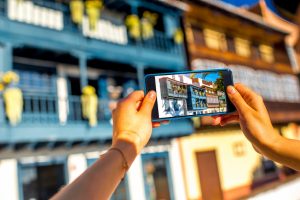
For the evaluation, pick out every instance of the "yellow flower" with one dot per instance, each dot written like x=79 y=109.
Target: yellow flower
x=1 y=87
x=151 y=17
x=88 y=90
x=10 y=77
x=134 y=26
x=178 y=36
x=94 y=4
x=77 y=11
x=93 y=8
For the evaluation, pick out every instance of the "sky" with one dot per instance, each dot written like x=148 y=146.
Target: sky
x=241 y=2
x=213 y=76
x=289 y=5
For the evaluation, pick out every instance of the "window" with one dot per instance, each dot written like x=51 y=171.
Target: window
x=41 y=181
x=215 y=40
x=266 y=53
x=230 y=44
x=242 y=47
x=198 y=36
x=157 y=176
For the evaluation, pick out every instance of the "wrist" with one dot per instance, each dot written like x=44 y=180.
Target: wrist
x=274 y=143
x=129 y=137
x=128 y=149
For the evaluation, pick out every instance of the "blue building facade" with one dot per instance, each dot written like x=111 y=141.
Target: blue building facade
x=56 y=59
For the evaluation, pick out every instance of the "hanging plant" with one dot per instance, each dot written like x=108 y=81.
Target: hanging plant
x=12 y=96
x=134 y=26
x=93 y=10
x=178 y=36
x=149 y=20
x=10 y=77
x=143 y=27
x=77 y=11
x=89 y=104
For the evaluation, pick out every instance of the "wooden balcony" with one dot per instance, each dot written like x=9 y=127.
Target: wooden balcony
x=228 y=58
x=283 y=112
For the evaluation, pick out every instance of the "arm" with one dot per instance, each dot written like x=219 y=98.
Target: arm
x=256 y=125
x=132 y=129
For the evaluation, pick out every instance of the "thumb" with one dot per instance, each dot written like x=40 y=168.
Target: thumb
x=148 y=103
x=237 y=100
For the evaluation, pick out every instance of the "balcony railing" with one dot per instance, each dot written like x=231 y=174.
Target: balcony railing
x=49 y=109
x=58 y=18
x=162 y=43
x=2 y=8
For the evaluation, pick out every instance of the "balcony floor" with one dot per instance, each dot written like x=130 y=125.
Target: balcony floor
x=35 y=137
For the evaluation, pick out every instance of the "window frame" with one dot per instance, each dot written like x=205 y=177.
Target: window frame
x=35 y=163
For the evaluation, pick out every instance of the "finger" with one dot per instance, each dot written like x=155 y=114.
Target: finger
x=155 y=124
x=229 y=115
x=229 y=120
x=215 y=116
x=165 y=122
x=216 y=120
x=138 y=105
x=237 y=100
x=135 y=96
x=148 y=103
x=256 y=149
x=251 y=98
x=113 y=112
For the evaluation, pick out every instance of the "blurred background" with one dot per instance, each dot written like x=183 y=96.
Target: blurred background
x=64 y=65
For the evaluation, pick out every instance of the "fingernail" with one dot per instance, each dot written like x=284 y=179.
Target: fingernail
x=152 y=95
x=214 y=123
x=231 y=90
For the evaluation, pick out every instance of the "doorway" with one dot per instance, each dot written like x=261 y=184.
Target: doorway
x=209 y=175
x=41 y=181
x=157 y=176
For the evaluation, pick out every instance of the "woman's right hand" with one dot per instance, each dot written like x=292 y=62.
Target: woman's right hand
x=252 y=116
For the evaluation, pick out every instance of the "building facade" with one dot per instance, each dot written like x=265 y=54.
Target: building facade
x=56 y=53
x=56 y=58
x=219 y=35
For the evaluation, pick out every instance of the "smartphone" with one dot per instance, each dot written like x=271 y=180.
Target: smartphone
x=190 y=94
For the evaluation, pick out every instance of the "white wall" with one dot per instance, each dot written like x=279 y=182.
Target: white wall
x=176 y=170
x=9 y=180
x=234 y=170
x=76 y=166
x=290 y=190
x=136 y=180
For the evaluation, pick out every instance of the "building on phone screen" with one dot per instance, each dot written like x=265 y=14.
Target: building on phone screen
x=182 y=94
x=197 y=99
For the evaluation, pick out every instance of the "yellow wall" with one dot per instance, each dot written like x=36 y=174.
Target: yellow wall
x=234 y=170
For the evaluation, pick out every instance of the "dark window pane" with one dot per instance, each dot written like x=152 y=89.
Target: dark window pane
x=29 y=182
x=157 y=184
x=41 y=182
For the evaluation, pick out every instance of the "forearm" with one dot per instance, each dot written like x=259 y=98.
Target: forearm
x=284 y=151
x=101 y=179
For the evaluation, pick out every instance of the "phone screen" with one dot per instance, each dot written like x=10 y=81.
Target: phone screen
x=191 y=94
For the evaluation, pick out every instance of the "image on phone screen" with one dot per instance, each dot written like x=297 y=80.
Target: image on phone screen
x=191 y=94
